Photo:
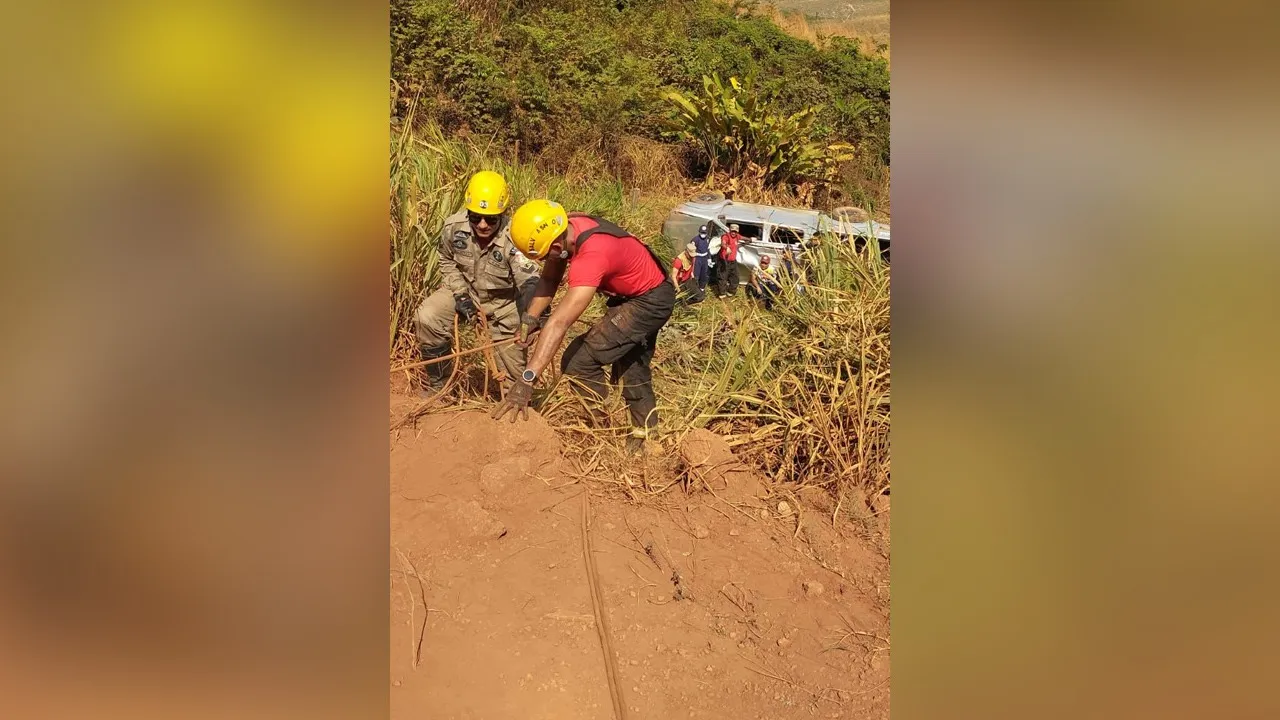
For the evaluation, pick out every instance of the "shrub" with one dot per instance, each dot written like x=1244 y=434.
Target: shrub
x=736 y=129
x=569 y=73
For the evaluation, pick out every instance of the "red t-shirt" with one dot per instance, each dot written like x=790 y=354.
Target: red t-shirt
x=684 y=270
x=614 y=265
x=729 y=245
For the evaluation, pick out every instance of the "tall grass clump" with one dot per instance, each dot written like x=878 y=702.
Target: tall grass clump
x=802 y=391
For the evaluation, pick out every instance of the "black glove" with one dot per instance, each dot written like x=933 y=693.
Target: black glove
x=529 y=327
x=524 y=297
x=463 y=306
x=516 y=402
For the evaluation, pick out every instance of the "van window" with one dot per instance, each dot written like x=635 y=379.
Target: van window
x=751 y=232
x=785 y=235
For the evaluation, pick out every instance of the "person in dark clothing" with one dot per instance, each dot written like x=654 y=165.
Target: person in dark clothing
x=701 y=270
x=595 y=256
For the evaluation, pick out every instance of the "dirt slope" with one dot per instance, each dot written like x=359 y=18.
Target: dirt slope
x=488 y=517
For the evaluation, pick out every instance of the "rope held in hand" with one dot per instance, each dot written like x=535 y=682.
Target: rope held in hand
x=460 y=353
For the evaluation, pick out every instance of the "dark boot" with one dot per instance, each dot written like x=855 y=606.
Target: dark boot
x=431 y=378
x=597 y=418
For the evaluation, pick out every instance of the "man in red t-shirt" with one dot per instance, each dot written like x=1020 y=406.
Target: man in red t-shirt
x=596 y=256
x=729 y=243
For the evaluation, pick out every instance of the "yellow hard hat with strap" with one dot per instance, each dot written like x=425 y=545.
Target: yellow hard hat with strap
x=536 y=224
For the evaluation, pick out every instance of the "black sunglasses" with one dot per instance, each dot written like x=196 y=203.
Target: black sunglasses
x=478 y=219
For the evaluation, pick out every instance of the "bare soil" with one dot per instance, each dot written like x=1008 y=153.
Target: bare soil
x=720 y=605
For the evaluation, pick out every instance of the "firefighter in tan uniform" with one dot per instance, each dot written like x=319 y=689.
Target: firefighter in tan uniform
x=482 y=272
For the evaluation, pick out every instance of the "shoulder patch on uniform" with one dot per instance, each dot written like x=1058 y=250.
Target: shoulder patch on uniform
x=460 y=239
x=529 y=266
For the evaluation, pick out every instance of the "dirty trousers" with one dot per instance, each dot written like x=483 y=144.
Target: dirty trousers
x=623 y=339
x=434 y=321
x=728 y=277
x=690 y=292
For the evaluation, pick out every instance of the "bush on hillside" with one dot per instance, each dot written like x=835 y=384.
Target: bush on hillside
x=736 y=130
x=560 y=75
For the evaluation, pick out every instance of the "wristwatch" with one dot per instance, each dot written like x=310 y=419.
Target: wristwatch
x=529 y=376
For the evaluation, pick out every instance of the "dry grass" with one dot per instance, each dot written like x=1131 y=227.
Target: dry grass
x=870 y=29
x=656 y=167
x=802 y=391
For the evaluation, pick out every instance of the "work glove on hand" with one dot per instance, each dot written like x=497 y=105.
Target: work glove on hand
x=524 y=298
x=516 y=403
x=463 y=306
x=529 y=327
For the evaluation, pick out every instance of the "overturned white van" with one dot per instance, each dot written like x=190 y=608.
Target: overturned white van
x=766 y=229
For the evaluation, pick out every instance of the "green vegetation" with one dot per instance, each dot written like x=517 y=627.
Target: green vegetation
x=558 y=75
x=737 y=131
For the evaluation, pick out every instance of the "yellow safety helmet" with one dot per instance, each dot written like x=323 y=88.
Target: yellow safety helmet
x=487 y=193
x=536 y=225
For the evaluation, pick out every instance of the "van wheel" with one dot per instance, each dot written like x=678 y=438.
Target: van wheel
x=708 y=198
x=850 y=213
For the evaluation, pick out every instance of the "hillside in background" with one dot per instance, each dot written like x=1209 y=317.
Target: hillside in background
x=867 y=20
x=839 y=9
x=554 y=80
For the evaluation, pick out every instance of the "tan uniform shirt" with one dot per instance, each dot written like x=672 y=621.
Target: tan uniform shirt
x=490 y=275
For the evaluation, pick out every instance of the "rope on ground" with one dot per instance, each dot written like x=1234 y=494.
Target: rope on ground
x=460 y=353
x=597 y=604
x=490 y=362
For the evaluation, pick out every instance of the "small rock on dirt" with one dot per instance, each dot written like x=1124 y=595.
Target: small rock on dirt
x=784 y=508
x=813 y=588
x=469 y=520
x=784 y=641
x=701 y=532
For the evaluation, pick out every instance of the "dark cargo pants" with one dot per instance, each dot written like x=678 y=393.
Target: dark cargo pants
x=623 y=339
x=728 y=277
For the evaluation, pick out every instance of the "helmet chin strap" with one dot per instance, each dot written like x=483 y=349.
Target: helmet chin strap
x=564 y=245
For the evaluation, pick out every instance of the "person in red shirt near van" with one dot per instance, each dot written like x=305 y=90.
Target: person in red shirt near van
x=729 y=243
x=682 y=275
x=596 y=256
